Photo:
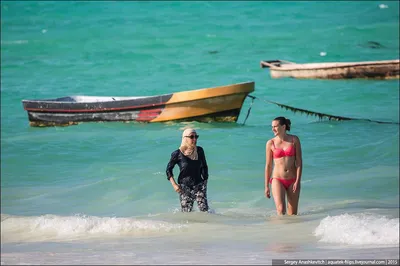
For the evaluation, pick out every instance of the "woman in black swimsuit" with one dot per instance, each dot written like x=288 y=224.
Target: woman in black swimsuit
x=193 y=175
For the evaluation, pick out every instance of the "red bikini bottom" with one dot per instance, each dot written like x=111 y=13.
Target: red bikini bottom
x=285 y=182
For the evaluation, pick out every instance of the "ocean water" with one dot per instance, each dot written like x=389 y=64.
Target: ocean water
x=97 y=193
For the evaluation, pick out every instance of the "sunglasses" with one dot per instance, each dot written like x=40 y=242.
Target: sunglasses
x=192 y=137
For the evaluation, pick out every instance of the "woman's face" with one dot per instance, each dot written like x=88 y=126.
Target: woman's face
x=192 y=138
x=277 y=128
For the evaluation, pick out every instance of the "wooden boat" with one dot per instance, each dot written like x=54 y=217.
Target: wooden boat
x=386 y=69
x=222 y=104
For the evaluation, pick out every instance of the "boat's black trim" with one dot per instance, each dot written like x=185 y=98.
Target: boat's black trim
x=60 y=106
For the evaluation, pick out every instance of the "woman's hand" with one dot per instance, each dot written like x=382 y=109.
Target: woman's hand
x=177 y=188
x=295 y=184
x=267 y=192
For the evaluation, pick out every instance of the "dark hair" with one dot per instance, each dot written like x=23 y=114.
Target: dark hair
x=283 y=121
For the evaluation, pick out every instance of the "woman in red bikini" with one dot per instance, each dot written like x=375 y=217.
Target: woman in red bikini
x=283 y=167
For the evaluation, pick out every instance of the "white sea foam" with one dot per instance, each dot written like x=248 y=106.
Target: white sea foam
x=55 y=227
x=359 y=229
x=382 y=6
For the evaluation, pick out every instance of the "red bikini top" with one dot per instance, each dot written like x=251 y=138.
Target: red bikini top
x=279 y=153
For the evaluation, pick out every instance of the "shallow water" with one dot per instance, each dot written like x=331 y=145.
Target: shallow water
x=96 y=193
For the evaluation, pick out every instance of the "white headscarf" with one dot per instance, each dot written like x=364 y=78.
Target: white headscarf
x=187 y=148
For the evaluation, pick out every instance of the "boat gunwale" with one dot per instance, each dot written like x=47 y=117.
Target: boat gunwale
x=92 y=102
x=127 y=108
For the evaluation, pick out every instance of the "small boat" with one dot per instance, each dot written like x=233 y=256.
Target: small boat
x=385 y=69
x=221 y=104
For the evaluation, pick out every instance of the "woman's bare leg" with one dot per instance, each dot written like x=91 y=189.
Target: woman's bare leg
x=293 y=199
x=278 y=192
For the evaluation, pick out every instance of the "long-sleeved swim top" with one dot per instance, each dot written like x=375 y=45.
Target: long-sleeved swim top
x=192 y=172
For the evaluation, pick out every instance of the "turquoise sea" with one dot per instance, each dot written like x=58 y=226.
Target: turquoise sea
x=97 y=193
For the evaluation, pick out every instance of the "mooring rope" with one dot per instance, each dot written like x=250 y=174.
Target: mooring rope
x=248 y=111
x=318 y=114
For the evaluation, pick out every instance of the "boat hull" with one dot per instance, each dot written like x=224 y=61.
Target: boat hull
x=362 y=70
x=221 y=104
